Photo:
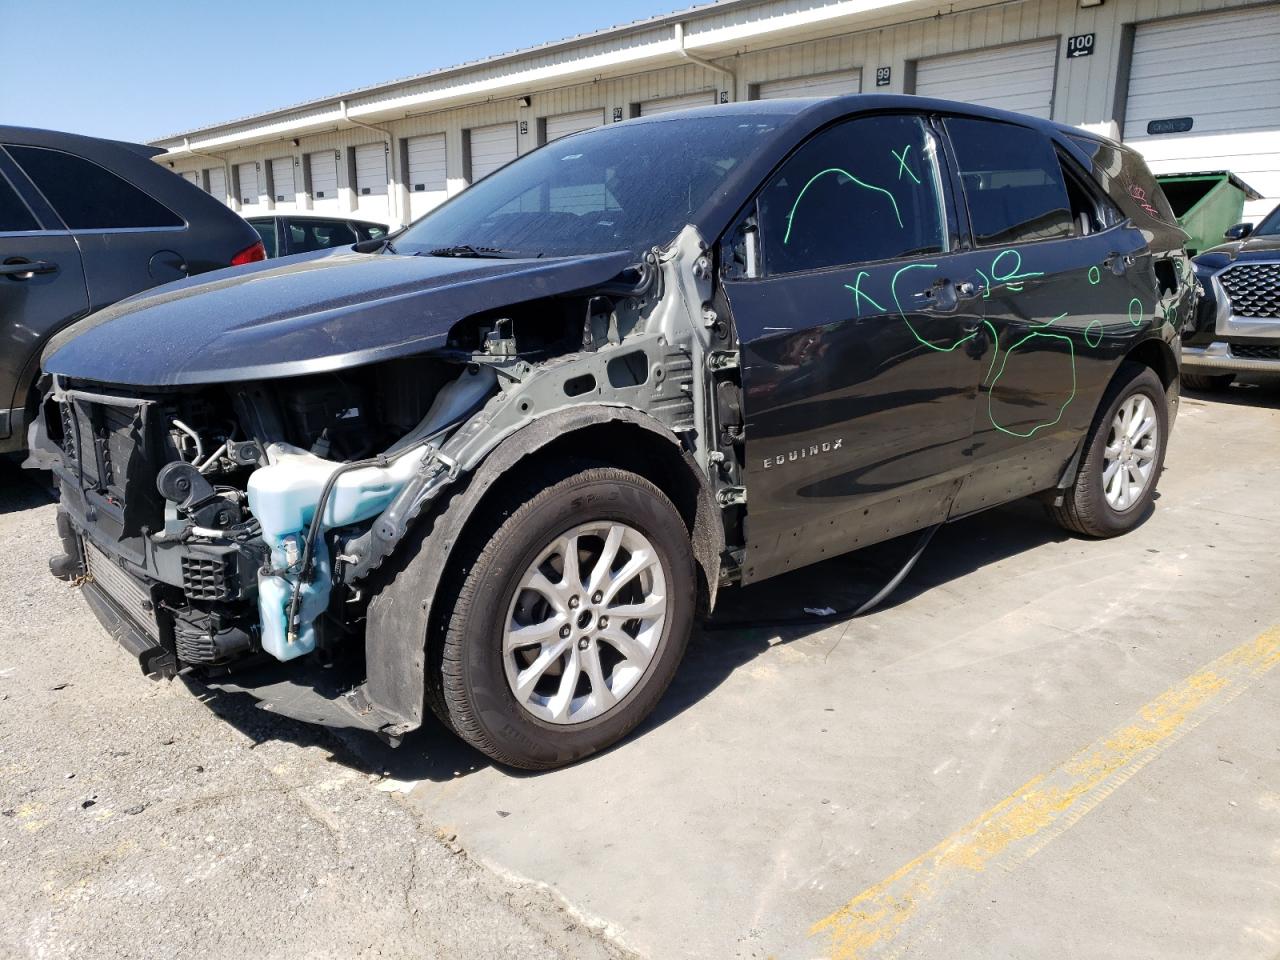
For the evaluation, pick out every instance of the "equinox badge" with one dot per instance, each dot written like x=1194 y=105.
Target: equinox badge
x=813 y=450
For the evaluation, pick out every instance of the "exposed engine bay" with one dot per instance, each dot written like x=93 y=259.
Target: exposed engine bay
x=232 y=520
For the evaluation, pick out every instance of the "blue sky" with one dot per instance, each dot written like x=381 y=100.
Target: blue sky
x=140 y=69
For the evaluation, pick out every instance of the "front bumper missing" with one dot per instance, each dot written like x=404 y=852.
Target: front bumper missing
x=122 y=604
x=155 y=660
x=1218 y=358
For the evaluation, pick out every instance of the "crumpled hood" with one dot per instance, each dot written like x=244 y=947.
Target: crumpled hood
x=304 y=315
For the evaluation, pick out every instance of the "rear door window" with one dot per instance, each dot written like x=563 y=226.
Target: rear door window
x=863 y=191
x=14 y=214
x=90 y=197
x=1012 y=182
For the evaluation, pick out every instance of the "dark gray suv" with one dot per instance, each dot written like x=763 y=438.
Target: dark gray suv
x=85 y=222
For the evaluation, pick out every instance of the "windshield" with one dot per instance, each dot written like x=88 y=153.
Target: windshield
x=1270 y=227
x=627 y=187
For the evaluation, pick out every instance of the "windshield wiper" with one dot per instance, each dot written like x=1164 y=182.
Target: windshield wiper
x=467 y=250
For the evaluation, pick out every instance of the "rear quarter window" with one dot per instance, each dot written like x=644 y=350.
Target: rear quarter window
x=1128 y=182
x=90 y=197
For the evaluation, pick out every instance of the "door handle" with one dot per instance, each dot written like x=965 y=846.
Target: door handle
x=942 y=295
x=1118 y=263
x=25 y=269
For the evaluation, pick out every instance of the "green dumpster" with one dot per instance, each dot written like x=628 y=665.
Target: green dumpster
x=1206 y=204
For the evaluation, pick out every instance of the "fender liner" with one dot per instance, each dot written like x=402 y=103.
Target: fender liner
x=400 y=614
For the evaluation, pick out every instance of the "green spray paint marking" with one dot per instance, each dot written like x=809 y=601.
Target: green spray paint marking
x=902 y=162
x=995 y=340
x=1095 y=275
x=858 y=295
x=1005 y=267
x=986 y=284
x=893 y=289
x=1048 y=323
x=1015 y=272
x=1061 y=410
x=790 y=216
x=1135 y=316
x=1096 y=327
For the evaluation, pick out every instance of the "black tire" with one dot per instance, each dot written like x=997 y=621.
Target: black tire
x=478 y=701
x=1085 y=509
x=1207 y=382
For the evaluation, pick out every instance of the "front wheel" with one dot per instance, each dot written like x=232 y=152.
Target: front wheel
x=1123 y=457
x=570 y=619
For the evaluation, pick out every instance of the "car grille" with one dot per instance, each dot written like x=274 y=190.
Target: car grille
x=129 y=594
x=1254 y=289
x=1250 y=351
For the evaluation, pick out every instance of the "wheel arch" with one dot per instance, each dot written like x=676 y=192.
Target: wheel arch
x=1155 y=352
x=402 y=615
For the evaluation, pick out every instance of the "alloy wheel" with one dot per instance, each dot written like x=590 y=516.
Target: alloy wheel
x=585 y=622
x=1129 y=459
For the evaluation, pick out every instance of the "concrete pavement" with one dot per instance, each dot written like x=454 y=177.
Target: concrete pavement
x=1043 y=746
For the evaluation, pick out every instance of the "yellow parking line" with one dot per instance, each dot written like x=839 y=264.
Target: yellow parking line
x=878 y=919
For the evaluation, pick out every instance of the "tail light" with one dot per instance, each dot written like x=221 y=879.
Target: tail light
x=250 y=255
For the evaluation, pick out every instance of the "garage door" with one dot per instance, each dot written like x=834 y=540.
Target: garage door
x=1018 y=77
x=216 y=177
x=1221 y=72
x=323 y=168
x=371 y=180
x=818 y=85
x=491 y=148
x=704 y=99
x=567 y=123
x=192 y=176
x=424 y=161
x=247 y=175
x=282 y=187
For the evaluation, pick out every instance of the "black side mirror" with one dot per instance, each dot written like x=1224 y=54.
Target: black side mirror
x=1239 y=231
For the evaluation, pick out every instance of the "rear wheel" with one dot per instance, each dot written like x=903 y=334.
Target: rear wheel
x=1207 y=382
x=1123 y=457
x=571 y=617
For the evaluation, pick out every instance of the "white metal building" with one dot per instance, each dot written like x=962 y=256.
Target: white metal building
x=1193 y=84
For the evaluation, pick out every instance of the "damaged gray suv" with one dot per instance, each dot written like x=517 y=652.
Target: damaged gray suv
x=512 y=452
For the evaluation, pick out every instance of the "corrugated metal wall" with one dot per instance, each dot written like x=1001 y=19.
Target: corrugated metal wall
x=1088 y=90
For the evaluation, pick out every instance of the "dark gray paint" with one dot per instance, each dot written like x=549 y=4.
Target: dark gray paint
x=305 y=315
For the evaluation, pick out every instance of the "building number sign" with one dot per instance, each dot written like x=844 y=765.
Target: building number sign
x=882 y=76
x=1081 y=45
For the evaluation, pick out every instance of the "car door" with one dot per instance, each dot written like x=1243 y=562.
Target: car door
x=1058 y=277
x=861 y=345
x=128 y=240
x=42 y=288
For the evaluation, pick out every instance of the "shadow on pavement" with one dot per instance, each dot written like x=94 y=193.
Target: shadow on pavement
x=842 y=583
x=1244 y=392
x=22 y=489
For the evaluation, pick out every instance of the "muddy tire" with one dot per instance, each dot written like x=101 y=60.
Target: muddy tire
x=1123 y=457
x=568 y=615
